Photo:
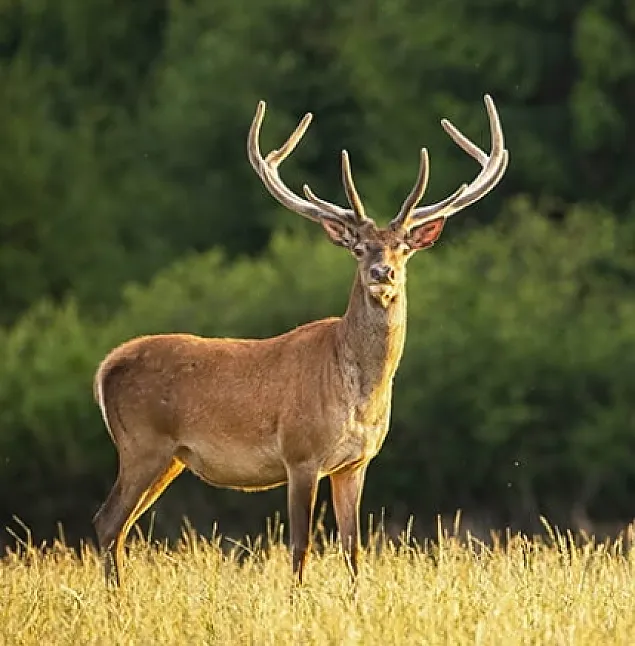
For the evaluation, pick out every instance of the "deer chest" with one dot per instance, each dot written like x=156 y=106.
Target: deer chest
x=359 y=441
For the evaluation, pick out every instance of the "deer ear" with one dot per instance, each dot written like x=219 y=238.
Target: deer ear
x=339 y=233
x=426 y=234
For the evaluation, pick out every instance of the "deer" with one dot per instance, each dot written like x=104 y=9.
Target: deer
x=314 y=402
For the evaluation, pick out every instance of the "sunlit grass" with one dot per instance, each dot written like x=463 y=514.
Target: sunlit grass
x=450 y=591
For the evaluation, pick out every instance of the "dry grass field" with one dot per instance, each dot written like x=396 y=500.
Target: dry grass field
x=452 y=591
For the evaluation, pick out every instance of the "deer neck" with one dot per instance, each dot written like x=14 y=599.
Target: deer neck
x=372 y=340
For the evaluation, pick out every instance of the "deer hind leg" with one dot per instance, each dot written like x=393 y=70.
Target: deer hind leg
x=139 y=483
x=302 y=493
x=346 y=492
x=148 y=498
x=151 y=494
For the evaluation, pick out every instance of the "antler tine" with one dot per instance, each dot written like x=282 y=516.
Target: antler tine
x=349 y=187
x=443 y=207
x=493 y=169
x=267 y=169
x=417 y=192
x=275 y=157
x=357 y=213
x=330 y=210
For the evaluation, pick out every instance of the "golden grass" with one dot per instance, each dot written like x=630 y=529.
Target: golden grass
x=453 y=592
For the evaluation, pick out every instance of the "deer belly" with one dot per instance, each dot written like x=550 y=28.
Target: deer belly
x=235 y=466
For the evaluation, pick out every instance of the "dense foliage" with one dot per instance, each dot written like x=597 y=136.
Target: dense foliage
x=127 y=205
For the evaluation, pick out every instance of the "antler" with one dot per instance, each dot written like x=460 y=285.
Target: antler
x=493 y=168
x=312 y=207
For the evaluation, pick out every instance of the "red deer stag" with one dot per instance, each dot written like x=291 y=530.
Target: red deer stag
x=255 y=414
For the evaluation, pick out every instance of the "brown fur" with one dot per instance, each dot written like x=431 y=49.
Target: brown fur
x=254 y=414
x=314 y=402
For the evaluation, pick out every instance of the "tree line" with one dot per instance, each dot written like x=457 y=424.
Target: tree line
x=127 y=205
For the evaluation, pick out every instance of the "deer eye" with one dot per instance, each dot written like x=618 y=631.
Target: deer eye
x=358 y=250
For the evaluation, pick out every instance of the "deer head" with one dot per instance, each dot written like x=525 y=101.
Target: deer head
x=381 y=253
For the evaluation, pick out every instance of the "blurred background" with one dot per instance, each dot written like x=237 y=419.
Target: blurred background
x=127 y=206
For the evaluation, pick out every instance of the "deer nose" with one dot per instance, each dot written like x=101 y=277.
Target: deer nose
x=382 y=273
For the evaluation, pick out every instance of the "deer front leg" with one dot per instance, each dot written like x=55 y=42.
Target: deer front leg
x=346 y=491
x=302 y=493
